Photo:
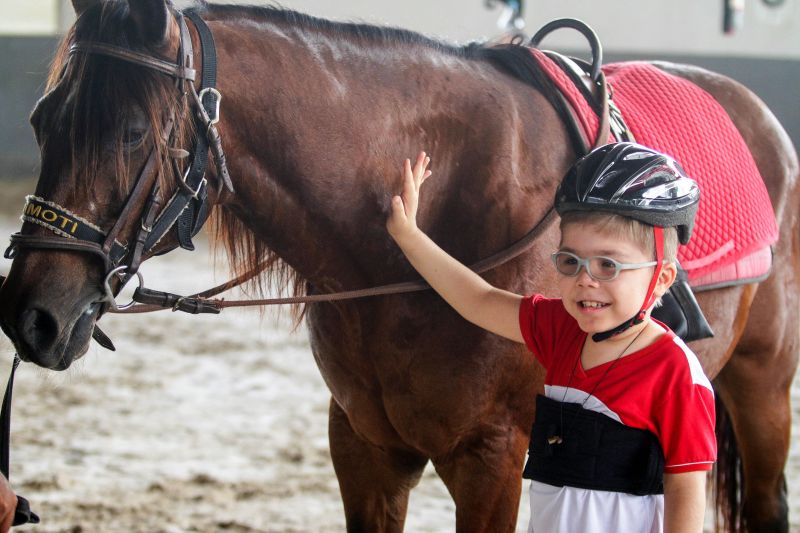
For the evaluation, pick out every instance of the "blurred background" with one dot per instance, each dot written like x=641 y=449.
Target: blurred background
x=761 y=47
x=219 y=423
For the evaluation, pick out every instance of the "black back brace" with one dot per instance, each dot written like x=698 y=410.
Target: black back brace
x=596 y=453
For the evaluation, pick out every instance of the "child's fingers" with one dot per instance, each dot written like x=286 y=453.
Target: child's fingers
x=425 y=176
x=409 y=183
x=410 y=195
x=420 y=159
x=420 y=167
x=424 y=172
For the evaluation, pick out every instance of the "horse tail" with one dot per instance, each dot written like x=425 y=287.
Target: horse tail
x=729 y=479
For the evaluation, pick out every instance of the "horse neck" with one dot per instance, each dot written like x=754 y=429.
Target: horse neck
x=316 y=127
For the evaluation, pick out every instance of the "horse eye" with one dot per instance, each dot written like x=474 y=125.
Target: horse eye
x=133 y=138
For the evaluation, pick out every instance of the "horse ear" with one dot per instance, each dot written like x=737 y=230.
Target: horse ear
x=82 y=5
x=150 y=21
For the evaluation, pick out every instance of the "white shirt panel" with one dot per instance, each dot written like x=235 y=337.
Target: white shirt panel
x=574 y=510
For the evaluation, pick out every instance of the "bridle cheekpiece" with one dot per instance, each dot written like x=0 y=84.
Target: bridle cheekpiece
x=187 y=209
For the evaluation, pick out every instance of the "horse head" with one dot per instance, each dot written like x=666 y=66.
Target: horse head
x=111 y=128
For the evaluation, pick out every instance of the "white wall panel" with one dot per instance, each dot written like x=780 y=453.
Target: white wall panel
x=657 y=26
x=662 y=26
x=28 y=17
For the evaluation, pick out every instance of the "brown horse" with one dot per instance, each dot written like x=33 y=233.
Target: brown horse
x=315 y=120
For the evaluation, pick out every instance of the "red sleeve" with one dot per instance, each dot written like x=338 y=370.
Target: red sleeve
x=538 y=322
x=686 y=419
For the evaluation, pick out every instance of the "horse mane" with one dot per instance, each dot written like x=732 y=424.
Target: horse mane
x=513 y=58
x=360 y=31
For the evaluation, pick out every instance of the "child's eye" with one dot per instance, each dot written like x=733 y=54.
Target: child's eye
x=608 y=268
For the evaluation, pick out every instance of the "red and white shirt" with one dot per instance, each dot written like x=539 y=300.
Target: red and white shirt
x=660 y=388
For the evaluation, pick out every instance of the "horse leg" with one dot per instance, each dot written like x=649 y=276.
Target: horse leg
x=761 y=420
x=375 y=482
x=755 y=387
x=484 y=479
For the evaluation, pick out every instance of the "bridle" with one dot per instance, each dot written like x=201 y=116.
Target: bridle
x=187 y=209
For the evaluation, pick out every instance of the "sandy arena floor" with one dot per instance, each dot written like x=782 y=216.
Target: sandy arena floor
x=197 y=424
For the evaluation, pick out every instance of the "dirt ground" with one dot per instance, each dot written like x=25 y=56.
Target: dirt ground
x=197 y=424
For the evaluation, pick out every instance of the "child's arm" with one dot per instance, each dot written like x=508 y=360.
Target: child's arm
x=684 y=502
x=493 y=309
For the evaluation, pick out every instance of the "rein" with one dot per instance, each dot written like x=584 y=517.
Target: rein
x=201 y=303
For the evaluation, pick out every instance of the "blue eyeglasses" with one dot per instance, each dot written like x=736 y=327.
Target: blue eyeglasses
x=598 y=267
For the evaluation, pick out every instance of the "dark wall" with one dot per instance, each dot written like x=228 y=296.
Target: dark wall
x=24 y=62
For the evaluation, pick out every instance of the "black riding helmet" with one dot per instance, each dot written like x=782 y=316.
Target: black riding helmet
x=634 y=181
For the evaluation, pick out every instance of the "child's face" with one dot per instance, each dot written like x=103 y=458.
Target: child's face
x=602 y=305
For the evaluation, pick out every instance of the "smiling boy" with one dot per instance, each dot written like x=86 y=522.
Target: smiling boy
x=624 y=434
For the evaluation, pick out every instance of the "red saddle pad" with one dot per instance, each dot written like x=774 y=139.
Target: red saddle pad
x=735 y=218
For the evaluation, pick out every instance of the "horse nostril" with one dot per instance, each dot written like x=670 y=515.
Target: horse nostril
x=39 y=329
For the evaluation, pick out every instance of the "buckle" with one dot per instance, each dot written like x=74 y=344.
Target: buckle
x=109 y=294
x=185 y=186
x=11 y=251
x=212 y=119
x=194 y=192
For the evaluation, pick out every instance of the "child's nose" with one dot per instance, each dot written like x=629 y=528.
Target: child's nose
x=584 y=279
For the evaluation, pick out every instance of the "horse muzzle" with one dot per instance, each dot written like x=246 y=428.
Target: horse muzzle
x=40 y=334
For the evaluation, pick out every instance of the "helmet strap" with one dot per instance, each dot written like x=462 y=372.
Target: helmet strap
x=650 y=297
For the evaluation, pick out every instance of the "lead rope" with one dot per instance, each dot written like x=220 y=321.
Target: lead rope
x=23 y=513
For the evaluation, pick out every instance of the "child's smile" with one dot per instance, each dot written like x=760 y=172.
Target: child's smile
x=590 y=305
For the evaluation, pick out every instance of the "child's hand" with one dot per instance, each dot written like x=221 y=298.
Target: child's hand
x=403 y=219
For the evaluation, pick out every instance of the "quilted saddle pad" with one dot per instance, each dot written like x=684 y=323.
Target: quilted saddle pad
x=735 y=223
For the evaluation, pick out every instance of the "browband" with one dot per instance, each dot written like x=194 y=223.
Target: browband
x=67 y=224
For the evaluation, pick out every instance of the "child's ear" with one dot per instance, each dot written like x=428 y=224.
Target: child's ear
x=666 y=278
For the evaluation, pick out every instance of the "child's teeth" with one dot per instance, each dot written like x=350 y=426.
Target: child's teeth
x=592 y=304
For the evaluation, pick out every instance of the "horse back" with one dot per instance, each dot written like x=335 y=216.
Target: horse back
x=769 y=144
x=754 y=318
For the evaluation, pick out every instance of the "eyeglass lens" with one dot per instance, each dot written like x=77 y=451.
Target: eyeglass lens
x=600 y=268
